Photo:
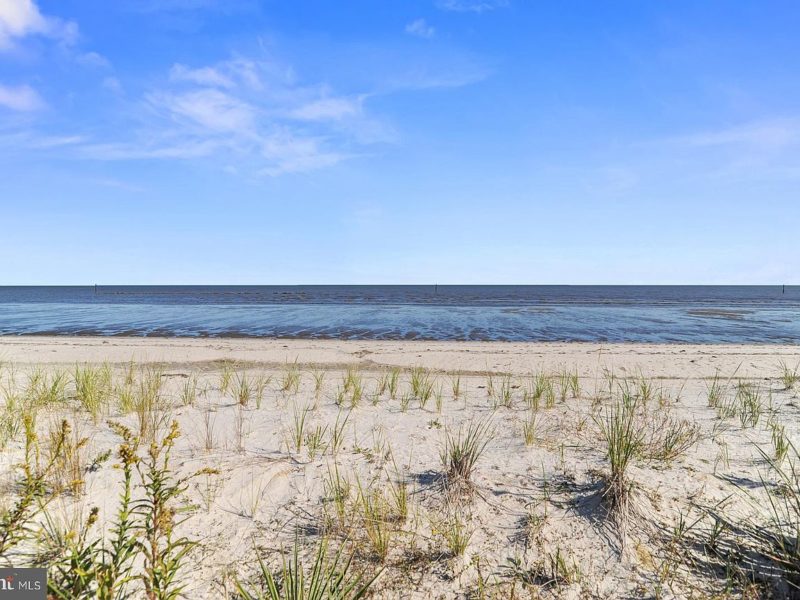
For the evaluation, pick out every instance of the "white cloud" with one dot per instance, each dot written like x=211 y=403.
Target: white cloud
x=112 y=84
x=253 y=112
x=57 y=141
x=226 y=6
x=477 y=6
x=287 y=153
x=765 y=134
x=21 y=98
x=20 y=18
x=253 y=115
x=209 y=109
x=327 y=108
x=420 y=28
x=116 y=184
x=427 y=79
x=763 y=149
x=204 y=76
x=221 y=112
x=266 y=154
x=159 y=147
x=93 y=59
x=247 y=71
x=33 y=139
x=226 y=74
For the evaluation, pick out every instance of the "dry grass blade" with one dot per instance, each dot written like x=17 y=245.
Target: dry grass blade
x=765 y=545
x=670 y=438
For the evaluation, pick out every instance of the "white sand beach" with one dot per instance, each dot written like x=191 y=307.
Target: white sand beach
x=284 y=424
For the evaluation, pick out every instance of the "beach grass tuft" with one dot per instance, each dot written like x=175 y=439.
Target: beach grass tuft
x=624 y=439
x=93 y=388
x=789 y=375
x=461 y=452
x=328 y=578
x=290 y=380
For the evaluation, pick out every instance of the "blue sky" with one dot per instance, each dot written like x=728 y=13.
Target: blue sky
x=449 y=141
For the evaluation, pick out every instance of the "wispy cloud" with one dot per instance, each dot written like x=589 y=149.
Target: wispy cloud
x=763 y=149
x=238 y=71
x=421 y=78
x=203 y=76
x=245 y=115
x=116 y=184
x=93 y=59
x=207 y=110
x=250 y=116
x=765 y=134
x=112 y=84
x=191 y=5
x=420 y=28
x=32 y=139
x=21 y=18
x=327 y=109
x=21 y=98
x=476 y=6
x=45 y=142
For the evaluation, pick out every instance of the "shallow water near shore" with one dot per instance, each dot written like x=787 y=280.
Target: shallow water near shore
x=690 y=314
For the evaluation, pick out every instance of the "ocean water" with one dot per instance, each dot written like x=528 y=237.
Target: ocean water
x=707 y=314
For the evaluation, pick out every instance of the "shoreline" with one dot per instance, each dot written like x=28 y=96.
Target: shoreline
x=672 y=360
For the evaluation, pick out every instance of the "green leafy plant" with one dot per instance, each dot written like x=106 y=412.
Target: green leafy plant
x=91 y=568
x=163 y=553
x=17 y=522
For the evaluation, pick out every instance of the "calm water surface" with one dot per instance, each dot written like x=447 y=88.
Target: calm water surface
x=712 y=314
